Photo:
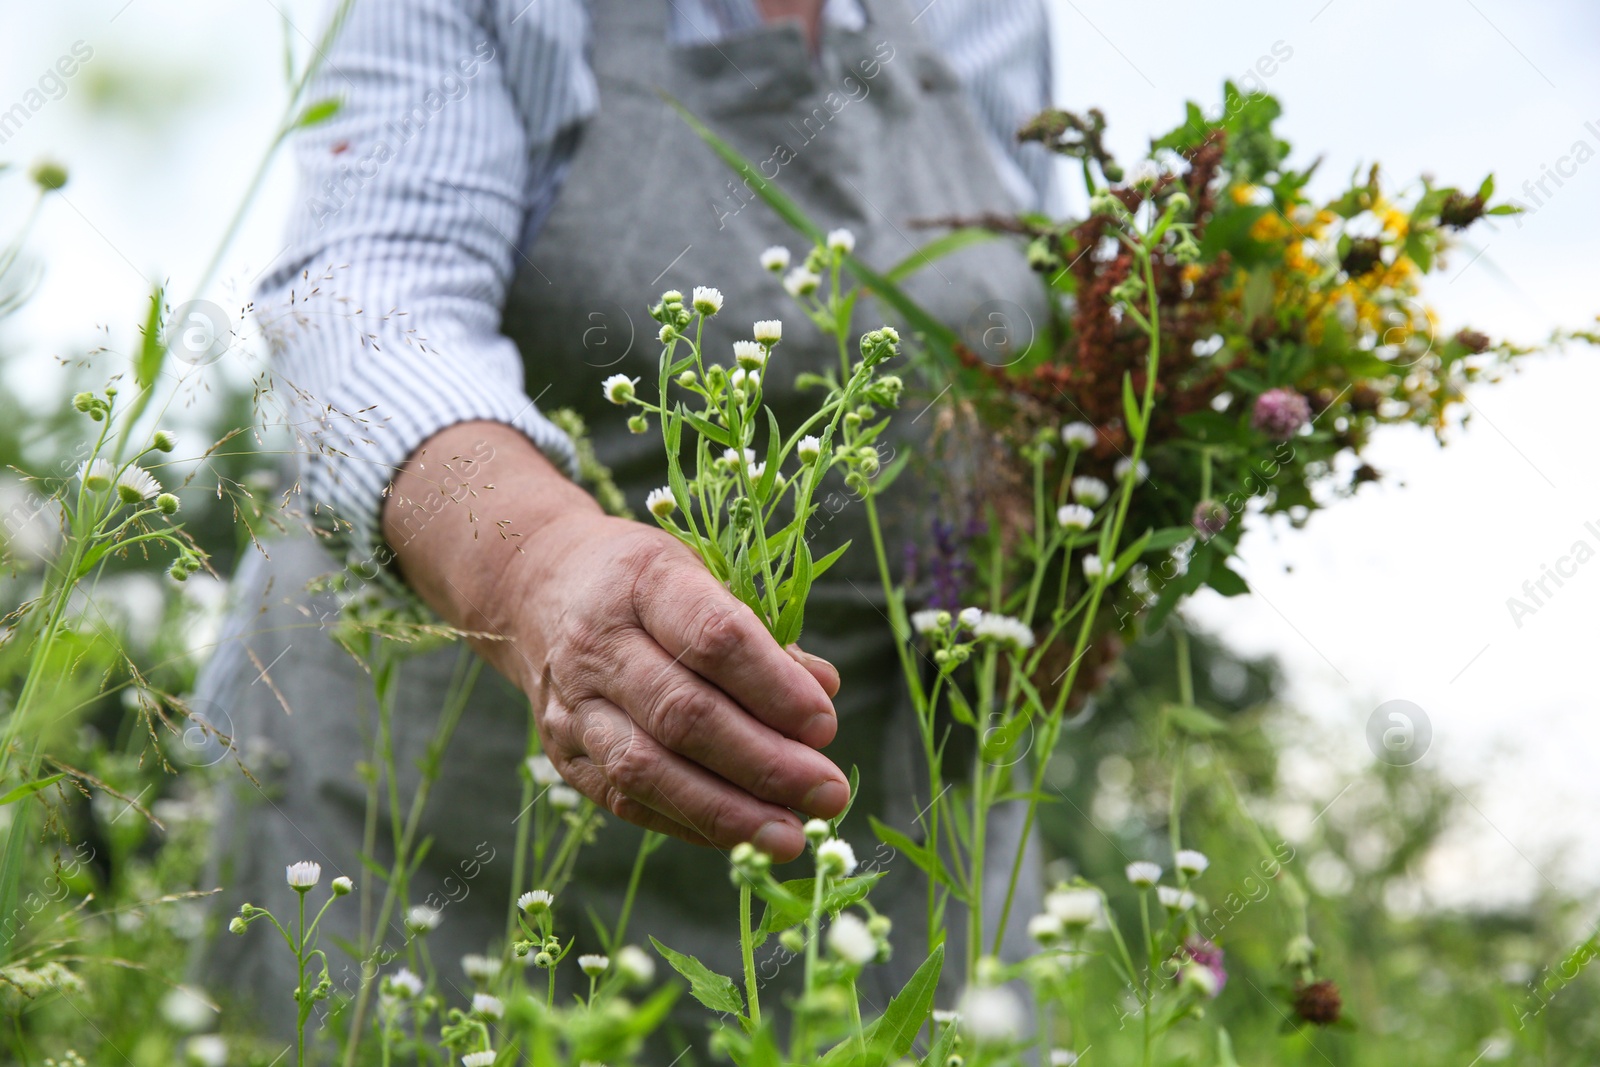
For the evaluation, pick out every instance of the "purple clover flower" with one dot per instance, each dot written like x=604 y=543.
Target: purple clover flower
x=1279 y=413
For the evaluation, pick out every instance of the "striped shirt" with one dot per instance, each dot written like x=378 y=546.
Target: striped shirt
x=459 y=121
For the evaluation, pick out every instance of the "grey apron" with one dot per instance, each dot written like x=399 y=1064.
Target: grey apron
x=870 y=135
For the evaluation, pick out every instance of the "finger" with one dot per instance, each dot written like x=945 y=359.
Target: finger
x=637 y=768
x=696 y=720
x=593 y=783
x=704 y=626
x=826 y=674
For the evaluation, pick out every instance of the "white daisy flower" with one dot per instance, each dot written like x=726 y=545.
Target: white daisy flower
x=1191 y=862
x=636 y=965
x=836 y=857
x=801 y=282
x=946 y=1018
x=480 y=968
x=403 y=984
x=1174 y=899
x=992 y=1015
x=542 y=771
x=970 y=617
x=841 y=240
x=740 y=378
x=421 y=918
x=1094 y=567
x=1088 y=490
x=303 y=875
x=751 y=355
x=478 y=1059
x=756 y=470
x=706 y=300
x=660 y=502
x=769 y=331
x=205 y=1050
x=594 y=964
x=1079 y=435
x=563 y=797
x=341 y=885
x=619 y=388
x=808 y=449
x=775 y=259
x=851 y=941
x=817 y=830
x=486 y=1007
x=1143 y=873
x=536 y=900
x=1045 y=928
x=96 y=475
x=1075 y=518
x=1125 y=465
x=1004 y=630
x=731 y=456
x=136 y=484
x=1075 y=907
x=929 y=620
x=1200 y=978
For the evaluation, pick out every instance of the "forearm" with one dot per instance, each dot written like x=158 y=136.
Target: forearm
x=465 y=519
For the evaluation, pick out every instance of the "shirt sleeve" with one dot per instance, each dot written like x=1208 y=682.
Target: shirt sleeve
x=1000 y=49
x=383 y=314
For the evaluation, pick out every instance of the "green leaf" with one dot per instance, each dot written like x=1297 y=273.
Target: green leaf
x=1168 y=537
x=827 y=561
x=714 y=990
x=705 y=428
x=1129 y=555
x=926 y=857
x=792 y=618
x=1194 y=721
x=1227 y=581
x=319 y=112
x=892 y=1034
x=780 y=914
x=888 y=474
x=27 y=789
x=954 y=241
x=152 y=349
x=769 y=473
x=1130 y=406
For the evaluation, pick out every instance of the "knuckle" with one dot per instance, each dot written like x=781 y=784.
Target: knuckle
x=631 y=767
x=681 y=716
x=717 y=630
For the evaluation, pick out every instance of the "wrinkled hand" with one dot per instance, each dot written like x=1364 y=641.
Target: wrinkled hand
x=663 y=698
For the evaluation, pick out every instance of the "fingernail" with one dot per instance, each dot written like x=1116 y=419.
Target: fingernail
x=807 y=658
x=784 y=840
x=820 y=729
x=827 y=799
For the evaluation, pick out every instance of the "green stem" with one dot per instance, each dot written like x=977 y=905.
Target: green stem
x=747 y=951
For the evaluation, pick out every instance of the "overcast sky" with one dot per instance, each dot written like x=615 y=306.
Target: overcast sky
x=1400 y=594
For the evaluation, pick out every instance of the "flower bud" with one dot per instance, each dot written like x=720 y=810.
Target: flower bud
x=341 y=885
x=167 y=504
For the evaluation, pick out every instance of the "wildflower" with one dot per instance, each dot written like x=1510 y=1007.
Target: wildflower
x=237 y=925
x=594 y=964
x=186 y=1010
x=850 y=940
x=421 y=919
x=206 y=1050
x=341 y=886
x=563 y=797
x=1199 y=980
x=535 y=901
x=660 y=502
x=706 y=300
x=742 y=379
x=1191 y=862
x=1005 y=631
x=841 y=241
x=167 y=504
x=808 y=449
x=929 y=620
x=946 y=1018
x=478 y=967
x=775 y=259
x=485 y=1006
x=478 y=1059
x=1207 y=955
x=303 y=875
x=1090 y=491
x=751 y=355
x=1318 y=1002
x=96 y=475
x=1174 y=899
x=619 y=388
x=836 y=857
x=801 y=282
x=1074 y=518
x=992 y=1015
x=1210 y=518
x=1079 y=435
x=542 y=771
x=1143 y=873
x=403 y=984
x=769 y=331
x=755 y=471
x=1279 y=413
x=163 y=441
x=688 y=378
x=635 y=965
x=667 y=334
x=48 y=175
x=1045 y=928
x=136 y=484
x=1094 y=567
x=1063 y=1057
x=1126 y=465
x=1076 y=908
x=970 y=617
x=817 y=830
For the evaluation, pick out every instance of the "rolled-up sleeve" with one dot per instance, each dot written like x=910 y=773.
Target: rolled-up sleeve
x=383 y=314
